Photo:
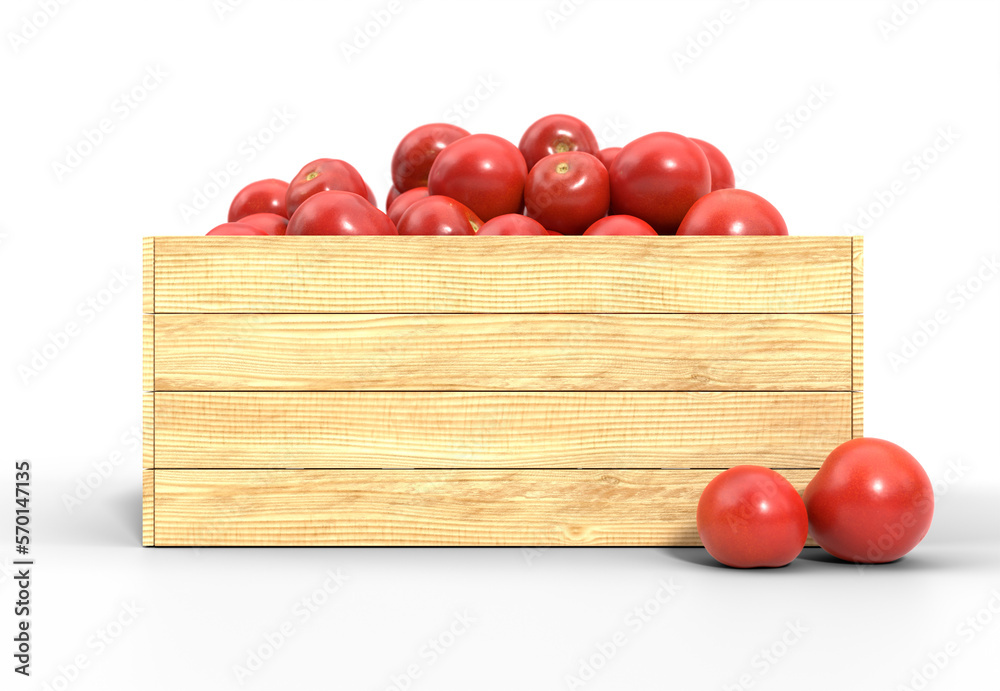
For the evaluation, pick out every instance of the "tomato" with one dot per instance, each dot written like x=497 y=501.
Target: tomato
x=391 y=197
x=732 y=212
x=370 y=196
x=552 y=232
x=567 y=192
x=512 y=224
x=272 y=224
x=412 y=159
x=236 y=228
x=871 y=502
x=608 y=155
x=484 y=172
x=657 y=178
x=723 y=177
x=322 y=175
x=439 y=215
x=749 y=516
x=335 y=212
x=404 y=201
x=263 y=196
x=556 y=134
x=620 y=224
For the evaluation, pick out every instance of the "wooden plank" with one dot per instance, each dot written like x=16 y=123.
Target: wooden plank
x=432 y=507
x=148 y=280
x=148 y=433
x=858 y=275
x=148 y=351
x=858 y=414
x=148 y=500
x=503 y=352
x=858 y=352
x=377 y=429
x=504 y=274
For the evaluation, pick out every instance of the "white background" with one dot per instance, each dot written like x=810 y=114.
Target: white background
x=890 y=89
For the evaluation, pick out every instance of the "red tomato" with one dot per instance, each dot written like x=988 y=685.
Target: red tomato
x=236 y=229
x=439 y=215
x=871 y=502
x=484 y=172
x=657 y=178
x=370 y=196
x=567 y=192
x=391 y=197
x=272 y=224
x=620 y=224
x=749 y=516
x=322 y=175
x=512 y=224
x=608 y=155
x=335 y=212
x=263 y=196
x=552 y=232
x=411 y=162
x=404 y=201
x=723 y=177
x=732 y=212
x=556 y=134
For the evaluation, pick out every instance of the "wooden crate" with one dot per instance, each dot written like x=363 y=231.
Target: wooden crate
x=484 y=391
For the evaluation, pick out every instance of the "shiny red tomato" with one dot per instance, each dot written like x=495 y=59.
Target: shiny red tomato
x=749 y=516
x=335 y=212
x=608 y=155
x=263 y=196
x=512 y=224
x=236 y=228
x=871 y=502
x=439 y=215
x=723 y=177
x=556 y=134
x=732 y=212
x=370 y=196
x=620 y=224
x=404 y=201
x=659 y=177
x=567 y=192
x=272 y=224
x=391 y=197
x=322 y=175
x=484 y=172
x=411 y=162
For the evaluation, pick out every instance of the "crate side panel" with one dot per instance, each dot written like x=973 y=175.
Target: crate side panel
x=504 y=274
x=432 y=507
x=595 y=429
x=503 y=352
x=148 y=501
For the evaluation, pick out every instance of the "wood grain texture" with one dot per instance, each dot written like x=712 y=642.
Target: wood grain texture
x=148 y=429
x=432 y=507
x=498 y=430
x=503 y=352
x=858 y=275
x=858 y=348
x=148 y=351
x=858 y=414
x=148 y=500
x=148 y=280
x=504 y=274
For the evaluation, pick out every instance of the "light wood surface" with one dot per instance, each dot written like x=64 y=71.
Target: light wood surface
x=148 y=434
x=148 y=280
x=858 y=348
x=503 y=274
x=148 y=352
x=503 y=352
x=432 y=507
x=498 y=430
x=858 y=275
x=857 y=414
x=148 y=502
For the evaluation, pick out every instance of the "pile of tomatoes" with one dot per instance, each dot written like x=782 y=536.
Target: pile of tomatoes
x=556 y=181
